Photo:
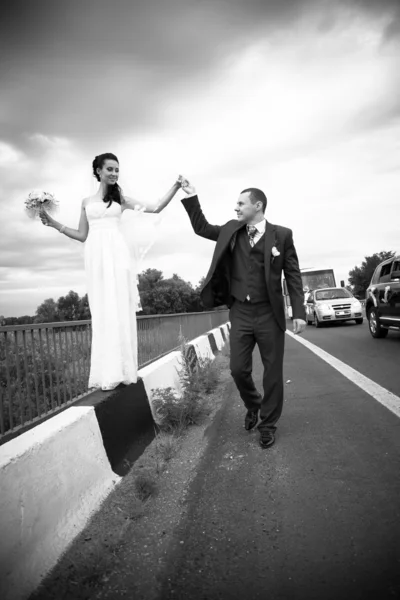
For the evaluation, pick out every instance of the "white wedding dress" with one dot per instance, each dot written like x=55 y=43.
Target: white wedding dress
x=111 y=259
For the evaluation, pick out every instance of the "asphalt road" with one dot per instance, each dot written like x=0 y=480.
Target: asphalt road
x=378 y=359
x=317 y=516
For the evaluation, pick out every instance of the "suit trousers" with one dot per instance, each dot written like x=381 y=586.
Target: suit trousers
x=253 y=324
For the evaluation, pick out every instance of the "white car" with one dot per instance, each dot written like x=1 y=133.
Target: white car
x=332 y=304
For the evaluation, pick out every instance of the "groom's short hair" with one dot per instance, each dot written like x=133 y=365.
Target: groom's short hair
x=256 y=195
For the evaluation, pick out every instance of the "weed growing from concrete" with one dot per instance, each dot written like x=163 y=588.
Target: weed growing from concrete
x=174 y=412
x=207 y=376
x=145 y=485
x=170 y=410
x=167 y=445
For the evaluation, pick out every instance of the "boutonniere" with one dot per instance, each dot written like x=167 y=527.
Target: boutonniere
x=274 y=251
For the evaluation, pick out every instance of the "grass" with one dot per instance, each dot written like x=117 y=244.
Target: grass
x=167 y=445
x=145 y=485
x=176 y=412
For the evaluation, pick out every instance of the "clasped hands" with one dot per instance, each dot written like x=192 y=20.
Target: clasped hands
x=185 y=184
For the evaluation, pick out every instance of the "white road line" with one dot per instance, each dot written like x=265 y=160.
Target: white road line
x=381 y=394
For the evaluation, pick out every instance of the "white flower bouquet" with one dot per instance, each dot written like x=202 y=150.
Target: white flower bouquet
x=37 y=200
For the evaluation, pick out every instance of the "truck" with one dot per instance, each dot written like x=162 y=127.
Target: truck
x=312 y=278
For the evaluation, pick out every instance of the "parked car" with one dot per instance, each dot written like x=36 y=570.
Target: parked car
x=382 y=301
x=332 y=304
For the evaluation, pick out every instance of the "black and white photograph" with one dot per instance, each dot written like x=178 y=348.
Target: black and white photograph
x=200 y=300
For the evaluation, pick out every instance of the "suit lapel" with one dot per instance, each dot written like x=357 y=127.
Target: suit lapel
x=231 y=237
x=270 y=233
x=227 y=238
x=232 y=241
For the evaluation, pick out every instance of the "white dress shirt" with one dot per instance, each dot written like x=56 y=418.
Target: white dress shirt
x=257 y=236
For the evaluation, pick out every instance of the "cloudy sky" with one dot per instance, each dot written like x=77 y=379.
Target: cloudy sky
x=300 y=98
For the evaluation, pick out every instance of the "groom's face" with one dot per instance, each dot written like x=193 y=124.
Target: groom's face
x=245 y=209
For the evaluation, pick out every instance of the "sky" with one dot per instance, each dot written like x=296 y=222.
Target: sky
x=299 y=98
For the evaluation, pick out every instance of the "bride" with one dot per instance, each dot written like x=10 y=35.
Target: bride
x=111 y=273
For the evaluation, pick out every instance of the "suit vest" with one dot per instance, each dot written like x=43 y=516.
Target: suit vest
x=248 y=273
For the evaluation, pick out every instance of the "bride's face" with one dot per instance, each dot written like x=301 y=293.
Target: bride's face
x=109 y=172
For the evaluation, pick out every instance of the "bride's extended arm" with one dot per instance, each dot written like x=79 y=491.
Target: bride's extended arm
x=79 y=234
x=155 y=207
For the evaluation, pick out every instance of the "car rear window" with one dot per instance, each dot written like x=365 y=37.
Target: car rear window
x=396 y=265
x=385 y=272
x=332 y=294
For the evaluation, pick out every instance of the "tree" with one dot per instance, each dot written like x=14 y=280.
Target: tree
x=47 y=312
x=197 y=306
x=84 y=310
x=149 y=278
x=165 y=296
x=69 y=307
x=25 y=320
x=10 y=321
x=360 y=277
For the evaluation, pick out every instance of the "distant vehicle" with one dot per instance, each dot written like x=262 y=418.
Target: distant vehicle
x=312 y=278
x=332 y=304
x=382 y=300
x=317 y=278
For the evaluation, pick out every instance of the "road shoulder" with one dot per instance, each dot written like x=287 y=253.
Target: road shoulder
x=124 y=548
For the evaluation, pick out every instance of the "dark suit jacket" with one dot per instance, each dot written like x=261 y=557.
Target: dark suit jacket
x=216 y=288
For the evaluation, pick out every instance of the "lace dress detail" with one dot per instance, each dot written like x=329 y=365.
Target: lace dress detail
x=113 y=298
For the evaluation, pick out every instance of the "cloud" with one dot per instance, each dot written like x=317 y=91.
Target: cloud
x=97 y=69
x=298 y=98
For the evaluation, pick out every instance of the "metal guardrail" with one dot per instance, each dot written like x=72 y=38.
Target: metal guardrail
x=44 y=367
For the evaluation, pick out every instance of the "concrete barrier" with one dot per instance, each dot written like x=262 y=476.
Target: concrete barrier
x=226 y=328
x=219 y=340
x=202 y=347
x=55 y=476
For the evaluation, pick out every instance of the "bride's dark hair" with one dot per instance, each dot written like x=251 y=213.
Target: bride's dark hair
x=114 y=192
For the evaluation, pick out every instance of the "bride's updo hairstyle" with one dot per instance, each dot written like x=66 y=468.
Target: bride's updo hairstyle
x=114 y=192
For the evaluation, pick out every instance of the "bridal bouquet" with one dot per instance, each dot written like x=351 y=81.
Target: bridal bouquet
x=37 y=200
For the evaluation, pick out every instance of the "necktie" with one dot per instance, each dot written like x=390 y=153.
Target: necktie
x=251 y=230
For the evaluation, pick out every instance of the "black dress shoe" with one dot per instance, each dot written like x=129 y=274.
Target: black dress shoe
x=267 y=438
x=251 y=419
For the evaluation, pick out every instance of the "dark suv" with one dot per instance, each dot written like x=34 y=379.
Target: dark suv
x=382 y=300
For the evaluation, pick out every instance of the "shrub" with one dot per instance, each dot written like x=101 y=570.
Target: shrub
x=198 y=379
x=174 y=413
x=207 y=375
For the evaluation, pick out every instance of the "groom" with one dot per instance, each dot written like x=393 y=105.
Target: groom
x=245 y=274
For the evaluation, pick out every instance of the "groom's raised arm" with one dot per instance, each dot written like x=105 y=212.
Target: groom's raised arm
x=199 y=223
